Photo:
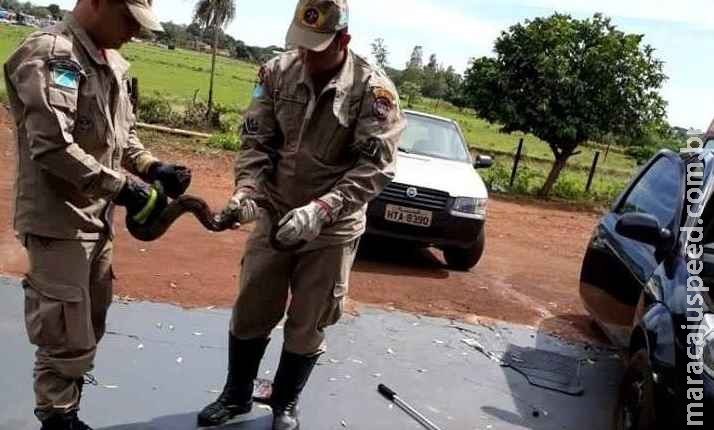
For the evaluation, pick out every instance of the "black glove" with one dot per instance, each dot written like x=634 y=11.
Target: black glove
x=135 y=196
x=174 y=178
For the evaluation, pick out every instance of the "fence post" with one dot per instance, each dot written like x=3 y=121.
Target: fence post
x=135 y=94
x=592 y=172
x=515 y=162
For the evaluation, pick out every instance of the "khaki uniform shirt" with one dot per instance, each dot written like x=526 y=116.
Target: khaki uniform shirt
x=75 y=130
x=338 y=146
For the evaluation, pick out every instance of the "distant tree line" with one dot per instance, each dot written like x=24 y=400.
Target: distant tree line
x=186 y=36
x=431 y=79
x=28 y=8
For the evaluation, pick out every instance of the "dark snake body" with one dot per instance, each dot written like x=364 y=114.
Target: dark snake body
x=167 y=213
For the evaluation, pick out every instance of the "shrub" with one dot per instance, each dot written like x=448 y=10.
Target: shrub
x=155 y=110
x=226 y=141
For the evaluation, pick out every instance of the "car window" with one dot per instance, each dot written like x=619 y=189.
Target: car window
x=434 y=138
x=709 y=144
x=656 y=193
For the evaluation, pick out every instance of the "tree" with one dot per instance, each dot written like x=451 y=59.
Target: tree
x=380 y=52
x=433 y=65
x=214 y=15
x=416 y=61
x=654 y=138
x=55 y=10
x=568 y=81
x=411 y=91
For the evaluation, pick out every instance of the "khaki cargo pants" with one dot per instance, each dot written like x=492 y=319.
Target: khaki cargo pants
x=317 y=281
x=68 y=290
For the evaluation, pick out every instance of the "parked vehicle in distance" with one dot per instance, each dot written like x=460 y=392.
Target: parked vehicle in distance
x=437 y=198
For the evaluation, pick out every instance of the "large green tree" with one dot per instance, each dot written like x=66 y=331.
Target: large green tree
x=214 y=15
x=568 y=81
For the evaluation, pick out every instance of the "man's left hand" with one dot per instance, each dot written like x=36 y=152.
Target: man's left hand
x=174 y=178
x=303 y=224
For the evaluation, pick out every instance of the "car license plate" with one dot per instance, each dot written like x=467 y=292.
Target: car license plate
x=409 y=216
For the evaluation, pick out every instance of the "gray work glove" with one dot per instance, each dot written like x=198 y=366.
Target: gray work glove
x=241 y=207
x=303 y=224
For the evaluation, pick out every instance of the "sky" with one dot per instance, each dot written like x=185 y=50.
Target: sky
x=682 y=33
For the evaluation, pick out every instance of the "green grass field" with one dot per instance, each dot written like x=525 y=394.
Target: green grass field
x=177 y=75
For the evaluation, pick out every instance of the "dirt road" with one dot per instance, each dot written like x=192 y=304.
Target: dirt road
x=529 y=273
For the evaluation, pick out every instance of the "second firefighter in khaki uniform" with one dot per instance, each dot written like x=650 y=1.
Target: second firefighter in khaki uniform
x=319 y=142
x=68 y=91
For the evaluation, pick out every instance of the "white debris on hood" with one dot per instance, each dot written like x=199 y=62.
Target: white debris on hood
x=140 y=347
x=355 y=361
x=480 y=348
x=179 y=360
x=390 y=351
x=197 y=333
x=110 y=387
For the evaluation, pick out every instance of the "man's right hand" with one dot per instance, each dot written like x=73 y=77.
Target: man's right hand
x=135 y=196
x=241 y=207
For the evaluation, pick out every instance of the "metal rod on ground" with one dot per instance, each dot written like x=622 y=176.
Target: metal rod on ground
x=592 y=172
x=392 y=396
x=515 y=162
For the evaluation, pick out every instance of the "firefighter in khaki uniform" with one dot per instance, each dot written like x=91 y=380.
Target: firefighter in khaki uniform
x=319 y=142
x=68 y=93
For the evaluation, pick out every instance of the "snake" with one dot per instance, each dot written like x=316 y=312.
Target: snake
x=166 y=212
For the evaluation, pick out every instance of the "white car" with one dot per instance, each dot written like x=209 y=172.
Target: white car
x=437 y=198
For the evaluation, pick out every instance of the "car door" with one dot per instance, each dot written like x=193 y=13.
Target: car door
x=616 y=268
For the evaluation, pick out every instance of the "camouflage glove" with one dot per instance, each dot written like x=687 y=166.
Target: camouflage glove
x=304 y=223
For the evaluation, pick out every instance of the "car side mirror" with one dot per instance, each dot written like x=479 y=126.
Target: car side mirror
x=483 y=162
x=643 y=228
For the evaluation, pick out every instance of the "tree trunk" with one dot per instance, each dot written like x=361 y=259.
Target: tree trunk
x=561 y=158
x=213 y=73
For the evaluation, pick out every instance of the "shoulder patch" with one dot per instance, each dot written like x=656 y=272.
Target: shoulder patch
x=65 y=73
x=384 y=102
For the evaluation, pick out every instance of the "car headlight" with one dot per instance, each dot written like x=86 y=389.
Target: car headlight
x=468 y=207
x=708 y=346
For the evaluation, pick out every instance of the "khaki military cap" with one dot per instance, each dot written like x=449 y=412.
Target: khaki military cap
x=316 y=22
x=144 y=15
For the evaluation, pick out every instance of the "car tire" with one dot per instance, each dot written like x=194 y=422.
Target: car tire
x=465 y=259
x=635 y=407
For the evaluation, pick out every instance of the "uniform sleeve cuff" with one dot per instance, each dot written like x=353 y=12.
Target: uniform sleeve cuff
x=332 y=203
x=144 y=163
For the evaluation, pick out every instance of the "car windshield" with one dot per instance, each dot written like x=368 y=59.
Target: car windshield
x=434 y=138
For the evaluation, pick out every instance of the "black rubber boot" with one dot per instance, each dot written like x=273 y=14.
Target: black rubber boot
x=290 y=379
x=68 y=421
x=237 y=397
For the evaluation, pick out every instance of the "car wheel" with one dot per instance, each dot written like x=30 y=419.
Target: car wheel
x=466 y=258
x=635 y=408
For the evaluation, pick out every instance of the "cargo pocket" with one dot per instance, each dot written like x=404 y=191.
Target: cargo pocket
x=290 y=112
x=334 y=151
x=335 y=305
x=48 y=313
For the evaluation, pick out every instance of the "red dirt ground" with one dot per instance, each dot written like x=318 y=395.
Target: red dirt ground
x=529 y=273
